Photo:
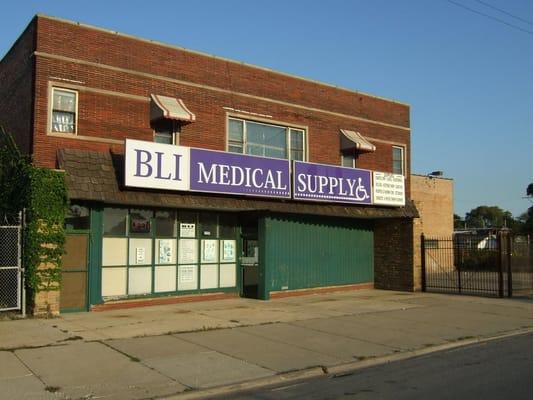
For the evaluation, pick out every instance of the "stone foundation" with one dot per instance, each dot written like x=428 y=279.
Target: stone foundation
x=46 y=304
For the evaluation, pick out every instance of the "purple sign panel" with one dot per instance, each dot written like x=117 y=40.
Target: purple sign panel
x=319 y=182
x=230 y=173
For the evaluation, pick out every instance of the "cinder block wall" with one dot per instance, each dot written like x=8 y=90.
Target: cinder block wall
x=433 y=198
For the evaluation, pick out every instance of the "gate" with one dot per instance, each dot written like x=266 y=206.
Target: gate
x=471 y=263
x=522 y=264
x=11 y=271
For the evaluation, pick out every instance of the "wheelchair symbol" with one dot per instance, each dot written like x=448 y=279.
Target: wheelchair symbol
x=360 y=192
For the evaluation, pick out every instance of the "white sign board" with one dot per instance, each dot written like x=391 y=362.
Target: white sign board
x=188 y=230
x=389 y=189
x=165 y=251
x=156 y=165
x=228 y=252
x=187 y=277
x=140 y=253
x=188 y=251
x=209 y=251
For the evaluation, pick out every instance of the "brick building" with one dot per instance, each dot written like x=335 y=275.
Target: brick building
x=190 y=174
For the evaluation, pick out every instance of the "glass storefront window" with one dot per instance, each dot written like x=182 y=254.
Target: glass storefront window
x=208 y=225
x=166 y=251
x=140 y=222
x=227 y=226
x=115 y=221
x=165 y=223
x=77 y=218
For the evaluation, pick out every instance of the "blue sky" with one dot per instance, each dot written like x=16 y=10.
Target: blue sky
x=467 y=77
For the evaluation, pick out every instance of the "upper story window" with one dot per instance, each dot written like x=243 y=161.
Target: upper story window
x=167 y=115
x=353 y=143
x=398 y=160
x=166 y=131
x=64 y=110
x=266 y=140
x=348 y=159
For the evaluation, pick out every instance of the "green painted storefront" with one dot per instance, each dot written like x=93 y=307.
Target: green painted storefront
x=300 y=252
x=292 y=252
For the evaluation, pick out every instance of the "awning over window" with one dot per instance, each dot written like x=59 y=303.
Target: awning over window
x=170 y=108
x=354 y=140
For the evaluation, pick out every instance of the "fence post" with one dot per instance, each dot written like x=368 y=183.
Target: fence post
x=499 y=263
x=458 y=268
x=529 y=259
x=423 y=251
x=509 y=255
x=22 y=222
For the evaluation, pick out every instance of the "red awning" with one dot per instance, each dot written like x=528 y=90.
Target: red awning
x=354 y=140
x=170 y=108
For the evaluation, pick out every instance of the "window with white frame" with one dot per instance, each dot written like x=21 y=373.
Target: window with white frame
x=266 y=140
x=166 y=131
x=64 y=109
x=348 y=159
x=398 y=160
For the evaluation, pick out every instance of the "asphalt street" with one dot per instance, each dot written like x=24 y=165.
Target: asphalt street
x=501 y=369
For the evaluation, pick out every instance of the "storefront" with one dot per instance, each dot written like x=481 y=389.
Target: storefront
x=191 y=221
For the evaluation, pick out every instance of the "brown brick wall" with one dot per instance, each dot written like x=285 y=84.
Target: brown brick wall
x=417 y=254
x=111 y=116
x=121 y=51
x=394 y=264
x=16 y=87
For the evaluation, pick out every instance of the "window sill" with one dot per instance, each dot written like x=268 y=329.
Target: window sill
x=86 y=138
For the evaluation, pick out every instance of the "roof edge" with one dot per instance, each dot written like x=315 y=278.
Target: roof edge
x=433 y=177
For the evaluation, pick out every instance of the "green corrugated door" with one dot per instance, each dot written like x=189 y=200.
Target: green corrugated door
x=306 y=252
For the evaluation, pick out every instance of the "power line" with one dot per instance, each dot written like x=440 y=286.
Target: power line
x=501 y=21
x=505 y=12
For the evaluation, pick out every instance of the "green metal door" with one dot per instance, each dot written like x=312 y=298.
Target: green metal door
x=306 y=252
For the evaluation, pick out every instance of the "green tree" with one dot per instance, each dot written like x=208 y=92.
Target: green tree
x=42 y=193
x=458 y=222
x=14 y=176
x=489 y=217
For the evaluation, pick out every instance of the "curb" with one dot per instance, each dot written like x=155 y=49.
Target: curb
x=315 y=372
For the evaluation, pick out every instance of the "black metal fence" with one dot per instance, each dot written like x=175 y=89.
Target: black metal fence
x=491 y=263
x=522 y=264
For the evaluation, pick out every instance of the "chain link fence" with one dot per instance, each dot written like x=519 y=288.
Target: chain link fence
x=11 y=272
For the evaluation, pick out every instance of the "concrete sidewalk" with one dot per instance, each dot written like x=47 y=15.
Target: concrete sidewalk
x=163 y=351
